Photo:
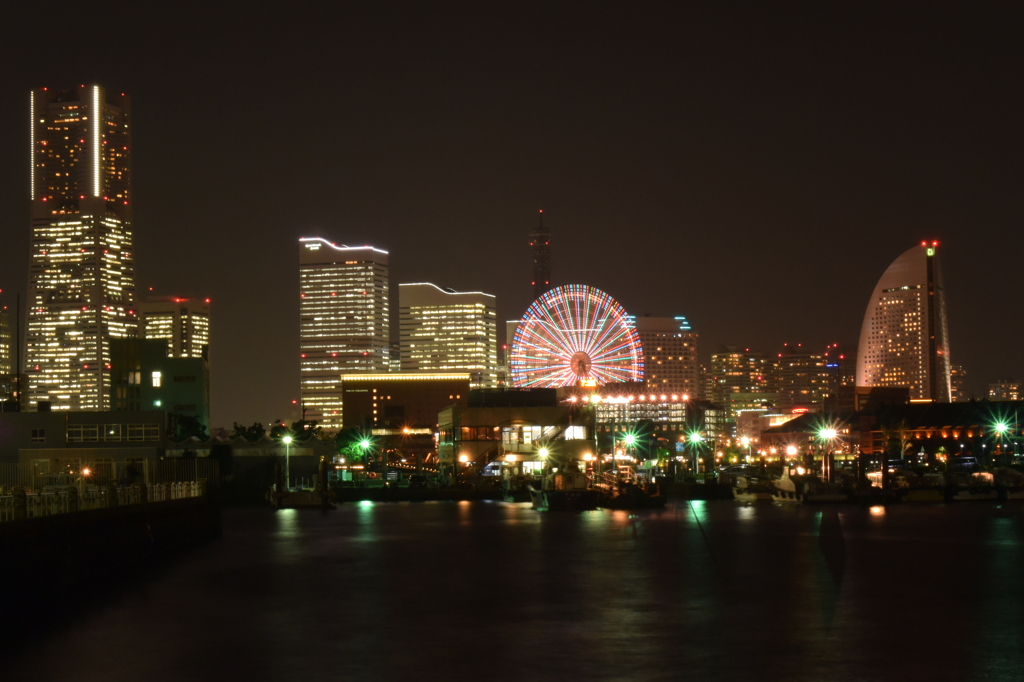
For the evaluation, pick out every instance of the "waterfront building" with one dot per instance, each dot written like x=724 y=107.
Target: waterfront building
x=517 y=430
x=82 y=270
x=540 y=249
x=904 y=339
x=575 y=423
x=183 y=322
x=956 y=435
x=670 y=349
x=344 y=321
x=402 y=400
x=52 y=442
x=442 y=330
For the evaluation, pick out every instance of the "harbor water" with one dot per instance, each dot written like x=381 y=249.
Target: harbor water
x=496 y=591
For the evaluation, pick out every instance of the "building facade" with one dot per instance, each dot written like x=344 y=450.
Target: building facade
x=799 y=377
x=344 y=321
x=1005 y=389
x=958 y=384
x=904 y=340
x=82 y=270
x=6 y=341
x=736 y=370
x=442 y=330
x=671 y=363
x=403 y=400
x=145 y=377
x=183 y=322
x=540 y=250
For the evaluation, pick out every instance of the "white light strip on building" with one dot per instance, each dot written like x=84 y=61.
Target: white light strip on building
x=429 y=284
x=97 y=119
x=342 y=247
x=400 y=376
x=32 y=141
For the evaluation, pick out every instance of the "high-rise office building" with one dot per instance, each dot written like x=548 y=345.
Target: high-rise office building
x=344 y=321
x=6 y=341
x=1005 y=389
x=957 y=384
x=540 y=249
x=735 y=370
x=442 y=330
x=183 y=322
x=799 y=377
x=671 y=365
x=841 y=367
x=904 y=340
x=82 y=271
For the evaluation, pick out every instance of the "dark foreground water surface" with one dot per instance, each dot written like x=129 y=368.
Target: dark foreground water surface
x=494 y=591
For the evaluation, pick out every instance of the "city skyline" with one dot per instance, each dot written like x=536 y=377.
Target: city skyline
x=727 y=168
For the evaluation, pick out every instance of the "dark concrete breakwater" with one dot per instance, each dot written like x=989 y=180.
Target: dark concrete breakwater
x=48 y=562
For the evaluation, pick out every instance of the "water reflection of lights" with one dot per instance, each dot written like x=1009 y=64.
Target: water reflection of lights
x=746 y=512
x=877 y=510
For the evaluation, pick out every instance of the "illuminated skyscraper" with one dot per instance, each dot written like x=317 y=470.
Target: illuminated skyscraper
x=183 y=322
x=6 y=341
x=344 y=321
x=82 y=271
x=904 y=340
x=448 y=331
x=670 y=355
x=540 y=248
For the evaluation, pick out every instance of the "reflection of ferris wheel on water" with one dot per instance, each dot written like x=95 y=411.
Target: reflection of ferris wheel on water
x=575 y=333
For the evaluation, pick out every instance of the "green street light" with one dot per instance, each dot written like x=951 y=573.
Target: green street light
x=827 y=434
x=630 y=439
x=1002 y=428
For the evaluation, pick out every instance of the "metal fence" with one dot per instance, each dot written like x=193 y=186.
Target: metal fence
x=31 y=491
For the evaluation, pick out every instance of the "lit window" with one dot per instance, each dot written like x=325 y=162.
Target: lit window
x=156 y=379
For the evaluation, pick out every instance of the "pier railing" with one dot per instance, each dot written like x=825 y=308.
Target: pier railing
x=26 y=492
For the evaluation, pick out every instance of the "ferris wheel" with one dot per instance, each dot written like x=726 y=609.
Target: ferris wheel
x=575 y=333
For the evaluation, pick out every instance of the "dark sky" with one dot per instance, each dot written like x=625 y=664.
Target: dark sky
x=755 y=169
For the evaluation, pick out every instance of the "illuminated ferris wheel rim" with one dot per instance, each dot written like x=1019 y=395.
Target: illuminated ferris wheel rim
x=574 y=333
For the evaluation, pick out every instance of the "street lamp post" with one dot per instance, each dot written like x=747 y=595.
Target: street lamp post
x=287 y=456
x=827 y=436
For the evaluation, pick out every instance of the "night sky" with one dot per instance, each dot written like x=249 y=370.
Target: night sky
x=753 y=169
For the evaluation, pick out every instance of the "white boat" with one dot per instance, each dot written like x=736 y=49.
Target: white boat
x=748 y=489
x=566 y=491
x=798 y=485
x=979 y=486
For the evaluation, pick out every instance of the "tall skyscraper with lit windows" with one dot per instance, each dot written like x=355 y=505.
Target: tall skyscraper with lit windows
x=344 y=321
x=82 y=270
x=904 y=340
x=671 y=363
x=443 y=330
x=183 y=322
